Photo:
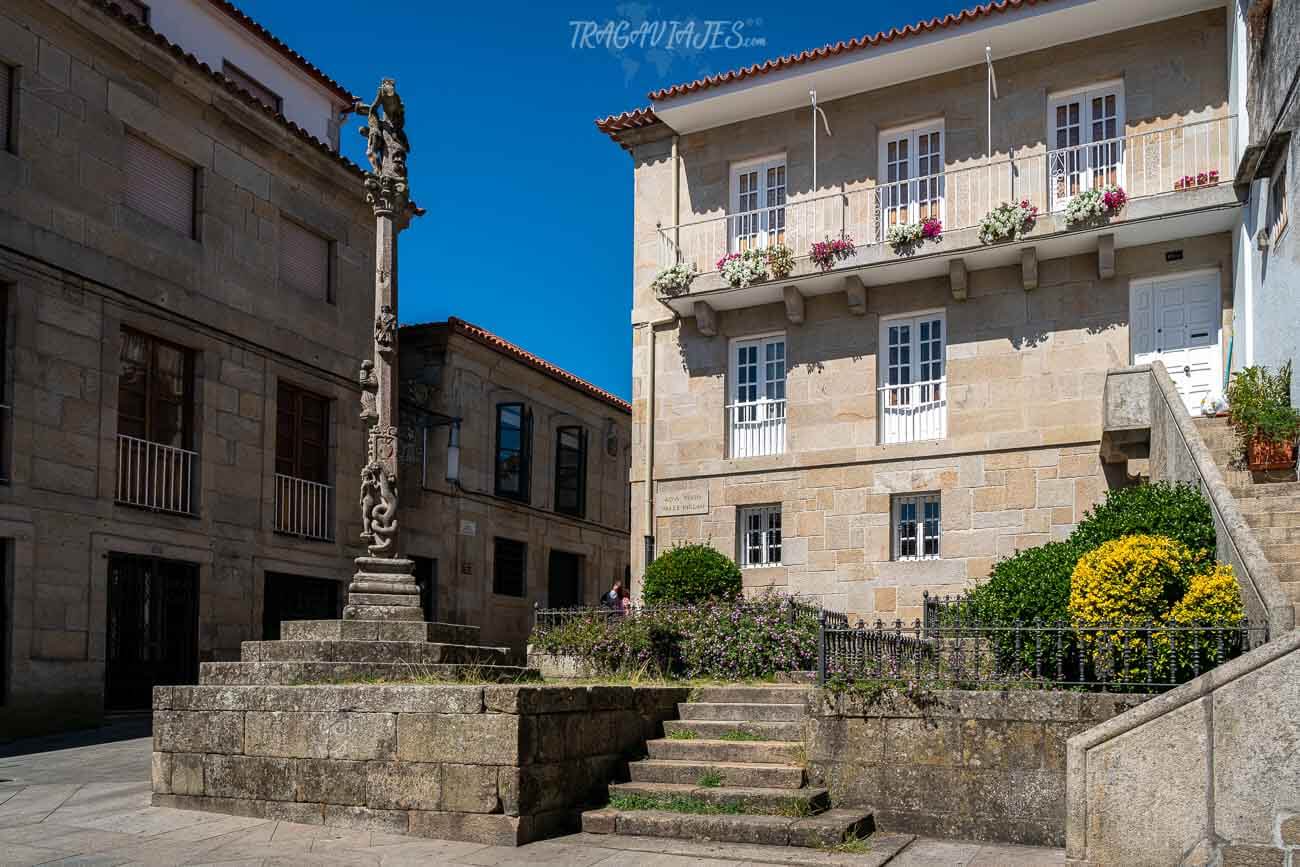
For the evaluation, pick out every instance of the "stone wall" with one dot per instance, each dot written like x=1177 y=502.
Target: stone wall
x=456 y=522
x=78 y=265
x=502 y=765
x=1204 y=774
x=975 y=766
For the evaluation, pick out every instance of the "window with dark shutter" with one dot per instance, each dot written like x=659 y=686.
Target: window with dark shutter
x=301 y=434
x=508 y=567
x=304 y=260
x=155 y=396
x=243 y=80
x=514 y=451
x=6 y=107
x=159 y=185
x=571 y=471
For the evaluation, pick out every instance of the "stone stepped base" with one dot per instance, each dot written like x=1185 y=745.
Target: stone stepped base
x=749 y=712
x=743 y=774
x=792 y=694
x=410 y=652
x=755 y=800
x=289 y=673
x=706 y=750
x=712 y=729
x=1262 y=520
x=377 y=630
x=826 y=829
x=1266 y=489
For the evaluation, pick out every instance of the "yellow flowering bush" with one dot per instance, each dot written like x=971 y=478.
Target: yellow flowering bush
x=1213 y=599
x=1129 y=580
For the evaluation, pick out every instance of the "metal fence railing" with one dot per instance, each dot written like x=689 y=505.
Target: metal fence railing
x=304 y=508
x=546 y=619
x=951 y=650
x=155 y=476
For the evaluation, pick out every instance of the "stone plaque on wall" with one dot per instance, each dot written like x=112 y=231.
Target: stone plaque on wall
x=674 y=501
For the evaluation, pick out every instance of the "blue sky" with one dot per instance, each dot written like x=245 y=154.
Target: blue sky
x=530 y=208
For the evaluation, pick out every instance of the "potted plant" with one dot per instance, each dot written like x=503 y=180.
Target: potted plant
x=825 y=254
x=1260 y=410
x=1008 y=221
x=780 y=260
x=674 y=281
x=904 y=238
x=743 y=269
x=1098 y=203
x=1200 y=179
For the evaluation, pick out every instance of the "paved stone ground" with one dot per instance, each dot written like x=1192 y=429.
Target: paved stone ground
x=83 y=798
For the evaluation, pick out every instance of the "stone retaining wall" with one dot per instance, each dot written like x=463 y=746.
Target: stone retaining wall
x=494 y=764
x=978 y=766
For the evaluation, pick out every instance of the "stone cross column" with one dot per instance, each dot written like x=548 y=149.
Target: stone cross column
x=383 y=587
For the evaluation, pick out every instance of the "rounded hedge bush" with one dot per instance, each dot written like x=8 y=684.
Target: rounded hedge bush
x=688 y=574
x=1213 y=598
x=1161 y=509
x=1034 y=584
x=1130 y=580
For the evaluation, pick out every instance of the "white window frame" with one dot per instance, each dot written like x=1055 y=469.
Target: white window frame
x=1078 y=159
x=922 y=533
x=900 y=200
x=760 y=220
x=756 y=422
x=913 y=409
x=767 y=535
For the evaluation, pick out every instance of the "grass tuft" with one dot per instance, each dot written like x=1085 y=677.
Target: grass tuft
x=709 y=780
x=852 y=844
x=738 y=735
x=675 y=804
x=681 y=735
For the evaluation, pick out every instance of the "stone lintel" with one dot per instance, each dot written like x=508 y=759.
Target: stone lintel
x=855 y=292
x=1029 y=268
x=793 y=304
x=1105 y=256
x=957 y=278
x=706 y=319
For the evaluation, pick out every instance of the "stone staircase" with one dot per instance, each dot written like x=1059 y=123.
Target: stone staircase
x=1270 y=503
x=730 y=770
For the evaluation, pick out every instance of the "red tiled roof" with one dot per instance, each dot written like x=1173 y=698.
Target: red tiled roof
x=627 y=120
x=241 y=18
x=146 y=32
x=861 y=43
x=505 y=347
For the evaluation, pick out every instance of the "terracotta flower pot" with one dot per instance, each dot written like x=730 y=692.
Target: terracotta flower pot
x=1265 y=454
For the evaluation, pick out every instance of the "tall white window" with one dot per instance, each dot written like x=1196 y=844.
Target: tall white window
x=913 y=388
x=1086 y=135
x=159 y=185
x=916 y=527
x=756 y=416
x=760 y=535
x=911 y=175
x=757 y=204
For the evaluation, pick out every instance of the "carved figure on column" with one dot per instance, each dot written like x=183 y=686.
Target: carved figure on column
x=378 y=509
x=369 y=392
x=385 y=328
x=386 y=150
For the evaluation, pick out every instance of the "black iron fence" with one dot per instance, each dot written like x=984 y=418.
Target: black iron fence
x=950 y=651
x=546 y=619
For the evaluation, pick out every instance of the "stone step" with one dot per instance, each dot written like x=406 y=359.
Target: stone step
x=378 y=630
x=705 y=750
x=768 y=731
x=1266 y=489
x=1269 y=519
x=289 y=673
x=405 y=599
x=1287 y=573
x=1270 y=536
x=825 y=829
x=756 y=800
x=746 y=774
x=792 y=694
x=383 y=612
x=698 y=710
x=801 y=678
x=1279 y=553
x=409 y=652
x=1255 y=505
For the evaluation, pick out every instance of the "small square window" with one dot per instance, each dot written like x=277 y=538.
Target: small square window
x=916 y=527
x=508 y=568
x=244 y=81
x=760 y=535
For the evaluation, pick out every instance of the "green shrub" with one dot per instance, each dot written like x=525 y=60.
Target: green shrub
x=1259 y=405
x=688 y=574
x=1161 y=509
x=1032 y=585
x=754 y=638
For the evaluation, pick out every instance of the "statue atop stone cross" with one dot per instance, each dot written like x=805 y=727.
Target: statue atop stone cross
x=386 y=150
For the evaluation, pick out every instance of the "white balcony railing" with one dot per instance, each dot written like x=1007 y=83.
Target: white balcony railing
x=155 y=476
x=1145 y=164
x=756 y=428
x=304 y=508
x=914 y=412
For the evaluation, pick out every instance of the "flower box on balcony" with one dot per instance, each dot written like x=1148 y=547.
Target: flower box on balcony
x=1265 y=454
x=1201 y=179
x=906 y=237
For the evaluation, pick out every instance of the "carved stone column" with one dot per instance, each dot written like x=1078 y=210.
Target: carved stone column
x=383 y=587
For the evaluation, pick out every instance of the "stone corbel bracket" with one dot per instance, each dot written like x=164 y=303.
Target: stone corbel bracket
x=1029 y=268
x=855 y=293
x=706 y=319
x=957 y=279
x=1105 y=256
x=794 y=303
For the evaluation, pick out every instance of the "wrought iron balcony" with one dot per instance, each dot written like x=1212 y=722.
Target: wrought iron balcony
x=756 y=428
x=304 y=508
x=155 y=476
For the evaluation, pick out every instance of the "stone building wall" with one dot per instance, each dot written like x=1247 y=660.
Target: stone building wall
x=456 y=523
x=78 y=265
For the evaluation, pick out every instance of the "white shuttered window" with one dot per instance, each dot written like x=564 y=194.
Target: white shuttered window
x=6 y=106
x=159 y=185
x=304 y=260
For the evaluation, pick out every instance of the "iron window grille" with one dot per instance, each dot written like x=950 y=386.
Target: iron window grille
x=916 y=521
x=760 y=536
x=509 y=567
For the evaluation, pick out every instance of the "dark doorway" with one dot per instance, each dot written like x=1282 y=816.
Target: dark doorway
x=296 y=597
x=564 y=580
x=426 y=575
x=153 y=628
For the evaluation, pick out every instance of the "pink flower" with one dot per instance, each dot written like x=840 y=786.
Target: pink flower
x=727 y=258
x=931 y=227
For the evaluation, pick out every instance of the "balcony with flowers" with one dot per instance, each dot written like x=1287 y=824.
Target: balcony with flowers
x=1143 y=188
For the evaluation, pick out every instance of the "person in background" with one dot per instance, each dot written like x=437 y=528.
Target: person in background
x=614 y=599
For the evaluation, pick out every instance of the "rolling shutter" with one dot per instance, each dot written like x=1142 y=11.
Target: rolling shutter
x=304 y=260
x=159 y=185
x=6 y=92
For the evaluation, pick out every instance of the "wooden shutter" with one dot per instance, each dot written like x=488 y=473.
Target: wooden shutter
x=304 y=260
x=6 y=111
x=159 y=185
